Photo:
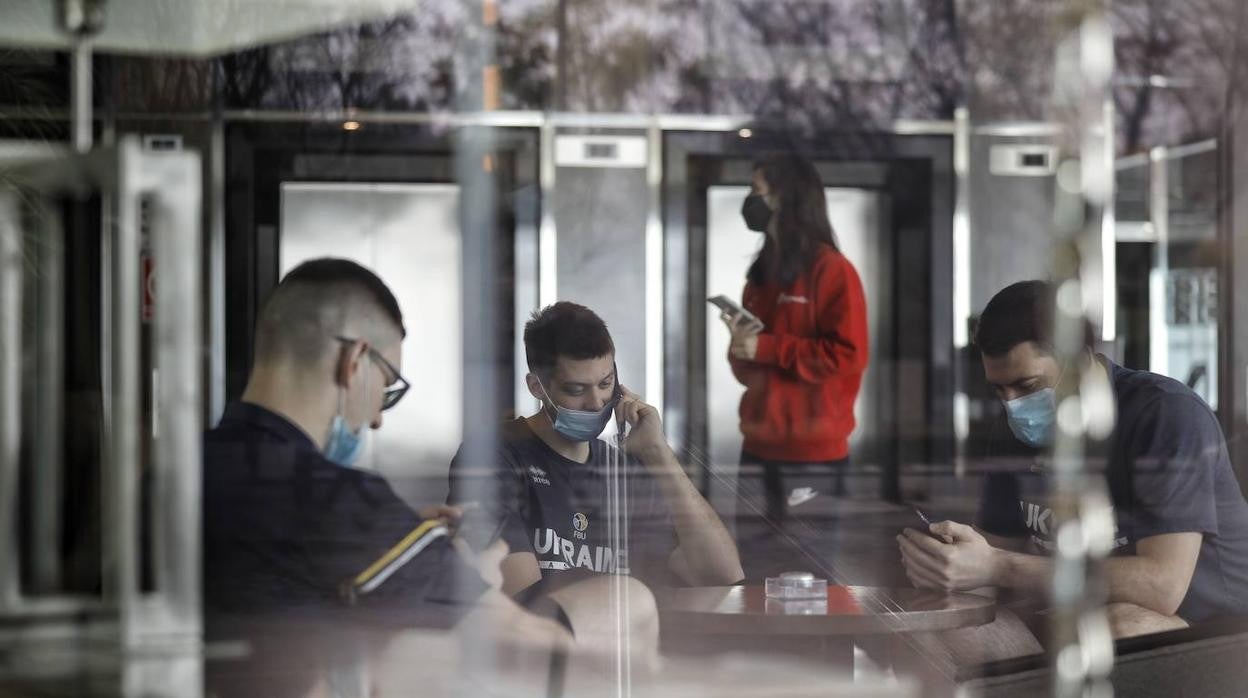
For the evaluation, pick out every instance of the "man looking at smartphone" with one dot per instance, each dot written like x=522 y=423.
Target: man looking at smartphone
x=551 y=475
x=1181 y=541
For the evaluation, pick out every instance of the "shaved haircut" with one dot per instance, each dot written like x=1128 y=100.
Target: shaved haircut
x=320 y=300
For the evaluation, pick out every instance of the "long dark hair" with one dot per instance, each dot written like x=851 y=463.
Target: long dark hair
x=800 y=219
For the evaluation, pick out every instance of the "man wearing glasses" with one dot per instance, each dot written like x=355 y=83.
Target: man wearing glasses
x=344 y=442
x=289 y=525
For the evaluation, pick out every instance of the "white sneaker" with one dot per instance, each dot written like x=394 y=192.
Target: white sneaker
x=801 y=495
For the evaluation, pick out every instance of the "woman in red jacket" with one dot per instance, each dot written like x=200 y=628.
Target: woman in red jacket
x=802 y=371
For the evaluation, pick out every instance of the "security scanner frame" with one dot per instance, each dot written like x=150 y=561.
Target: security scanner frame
x=143 y=194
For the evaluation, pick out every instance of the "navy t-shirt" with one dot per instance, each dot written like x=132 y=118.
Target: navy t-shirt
x=1167 y=471
x=557 y=508
x=285 y=530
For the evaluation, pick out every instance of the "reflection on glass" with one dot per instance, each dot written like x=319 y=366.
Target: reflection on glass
x=698 y=88
x=409 y=235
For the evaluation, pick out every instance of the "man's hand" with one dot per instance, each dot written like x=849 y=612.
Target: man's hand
x=647 y=426
x=487 y=561
x=968 y=562
x=706 y=554
x=744 y=343
x=446 y=512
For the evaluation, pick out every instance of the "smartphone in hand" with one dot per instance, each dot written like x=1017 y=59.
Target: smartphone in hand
x=735 y=310
x=923 y=525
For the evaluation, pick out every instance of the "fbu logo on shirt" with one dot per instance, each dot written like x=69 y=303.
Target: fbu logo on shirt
x=580 y=522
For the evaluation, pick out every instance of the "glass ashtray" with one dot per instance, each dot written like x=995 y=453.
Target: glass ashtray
x=796 y=585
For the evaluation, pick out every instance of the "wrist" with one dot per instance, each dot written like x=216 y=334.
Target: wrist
x=999 y=564
x=764 y=348
x=653 y=454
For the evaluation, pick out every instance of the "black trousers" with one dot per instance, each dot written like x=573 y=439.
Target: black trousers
x=773 y=479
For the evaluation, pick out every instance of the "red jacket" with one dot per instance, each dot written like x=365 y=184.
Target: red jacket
x=801 y=386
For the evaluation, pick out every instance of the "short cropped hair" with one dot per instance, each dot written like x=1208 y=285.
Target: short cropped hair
x=1021 y=312
x=315 y=302
x=564 y=329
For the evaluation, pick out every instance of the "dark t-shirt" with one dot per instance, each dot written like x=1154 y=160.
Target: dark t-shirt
x=1167 y=471
x=557 y=508
x=285 y=529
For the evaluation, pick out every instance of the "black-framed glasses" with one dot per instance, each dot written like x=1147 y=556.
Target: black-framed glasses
x=396 y=385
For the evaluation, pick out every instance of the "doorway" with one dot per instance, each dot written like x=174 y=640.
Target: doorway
x=890 y=200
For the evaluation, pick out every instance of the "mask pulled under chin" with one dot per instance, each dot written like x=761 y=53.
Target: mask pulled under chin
x=579 y=425
x=343 y=445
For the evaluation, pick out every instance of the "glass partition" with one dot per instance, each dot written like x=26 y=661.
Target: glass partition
x=568 y=347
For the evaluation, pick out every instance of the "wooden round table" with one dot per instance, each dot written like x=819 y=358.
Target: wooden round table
x=702 y=620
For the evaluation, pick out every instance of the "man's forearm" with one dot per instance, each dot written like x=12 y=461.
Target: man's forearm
x=520 y=571
x=709 y=551
x=1144 y=582
x=1028 y=574
x=1011 y=544
x=1132 y=579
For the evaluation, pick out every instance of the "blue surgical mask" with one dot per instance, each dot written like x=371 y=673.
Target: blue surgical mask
x=580 y=425
x=1032 y=417
x=343 y=446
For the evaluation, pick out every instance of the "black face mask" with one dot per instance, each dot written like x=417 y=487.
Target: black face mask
x=756 y=212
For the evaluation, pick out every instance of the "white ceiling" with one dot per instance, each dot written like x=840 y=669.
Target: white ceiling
x=191 y=27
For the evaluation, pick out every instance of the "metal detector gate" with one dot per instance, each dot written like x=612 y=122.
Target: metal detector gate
x=143 y=194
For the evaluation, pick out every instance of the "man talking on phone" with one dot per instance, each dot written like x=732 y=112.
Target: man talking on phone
x=551 y=478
